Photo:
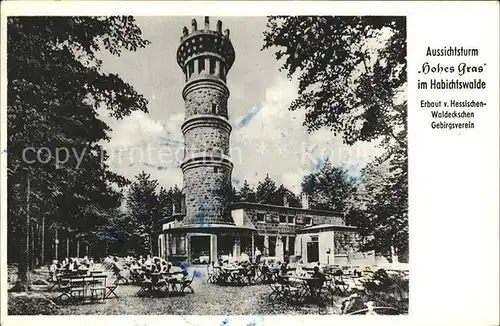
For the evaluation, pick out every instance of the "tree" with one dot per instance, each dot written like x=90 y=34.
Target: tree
x=167 y=200
x=281 y=193
x=246 y=193
x=380 y=204
x=55 y=88
x=268 y=193
x=329 y=188
x=346 y=82
x=266 y=190
x=144 y=210
x=352 y=80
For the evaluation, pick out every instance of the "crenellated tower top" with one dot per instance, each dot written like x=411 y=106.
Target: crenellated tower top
x=205 y=52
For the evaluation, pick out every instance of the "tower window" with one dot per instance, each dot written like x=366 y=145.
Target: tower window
x=260 y=217
x=201 y=65
x=222 y=71
x=212 y=65
x=214 y=108
x=216 y=169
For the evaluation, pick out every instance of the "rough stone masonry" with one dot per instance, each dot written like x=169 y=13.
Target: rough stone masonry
x=205 y=56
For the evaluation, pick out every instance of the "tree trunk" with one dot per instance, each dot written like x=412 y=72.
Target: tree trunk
x=23 y=277
x=77 y=248
x=151 y=245
x=67 y=246
x=56 y=245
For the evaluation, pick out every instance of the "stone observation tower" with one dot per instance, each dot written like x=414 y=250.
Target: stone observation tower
x=208 y=227
x=205 y=56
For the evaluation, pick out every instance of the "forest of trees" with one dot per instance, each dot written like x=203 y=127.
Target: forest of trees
x=56 y=87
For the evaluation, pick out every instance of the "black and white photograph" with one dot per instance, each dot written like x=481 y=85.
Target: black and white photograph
x=186 y=165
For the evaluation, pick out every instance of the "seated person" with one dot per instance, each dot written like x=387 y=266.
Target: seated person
x=75 y=265
x=318 y=278
x=317 y=273
x=266 y=272
x=299 y=271
x=119 y=271
x=284 y=269
x=69 y=265
x=84 y=267
x=164 y=267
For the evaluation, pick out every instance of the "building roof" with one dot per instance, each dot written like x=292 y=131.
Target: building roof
x=177 y=216
x=211 y=228
x=278 y=207
x=327 y=227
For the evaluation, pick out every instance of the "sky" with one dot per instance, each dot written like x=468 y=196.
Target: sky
x=266 y=137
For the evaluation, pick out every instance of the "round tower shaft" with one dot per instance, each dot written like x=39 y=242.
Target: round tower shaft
x=205 y=56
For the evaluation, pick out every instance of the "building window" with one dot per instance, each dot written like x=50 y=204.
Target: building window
x=308 y=220
x=222 y=71
x=216 y=169
x=214 y=108
x=291 y=220
x=314 y=238
x=212 y=66
x=283 y=219
x=191 y=68
x=260 y=217
x=291 y=246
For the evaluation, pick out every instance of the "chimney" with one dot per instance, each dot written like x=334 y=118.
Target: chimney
x=183 y=204
x=226 y=33
x=219 y=26
x=207 y=23
x=185 y=31
x=194 y=25
x=305 y=201
x=285 y=201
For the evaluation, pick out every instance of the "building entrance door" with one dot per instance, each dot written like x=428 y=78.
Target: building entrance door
x=200 y=249
x=312 y=252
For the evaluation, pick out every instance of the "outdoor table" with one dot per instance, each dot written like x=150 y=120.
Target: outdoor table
x=85 y=286
x=175 y=283
x=230 y=273
x=312 y=284
x=157 y=282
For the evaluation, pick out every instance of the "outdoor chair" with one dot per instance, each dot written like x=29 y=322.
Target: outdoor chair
x=250 y=274
x=281 y=288
x=268 y=276
x=136 y=276
x=119 y=277
x=64 y=286
x=339 y=282
x=258 y=278
x=277 y=291
x=145 y=286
